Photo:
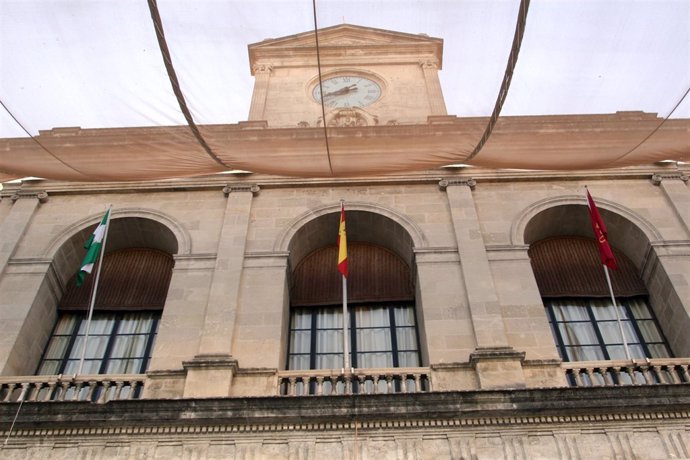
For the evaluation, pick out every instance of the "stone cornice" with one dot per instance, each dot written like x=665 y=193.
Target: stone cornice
x=422 y=410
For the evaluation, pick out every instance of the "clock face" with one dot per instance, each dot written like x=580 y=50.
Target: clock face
x=347 y=91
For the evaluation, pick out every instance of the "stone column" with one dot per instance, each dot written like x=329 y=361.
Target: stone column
x=433 y=88
x=211 y=371
x=496 y=363
x=14 y=225
x=262 y=74
x=675 y=187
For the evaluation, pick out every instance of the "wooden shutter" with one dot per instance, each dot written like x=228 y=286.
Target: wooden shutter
x=375 y=275
x=132 y=279
x=569 y=266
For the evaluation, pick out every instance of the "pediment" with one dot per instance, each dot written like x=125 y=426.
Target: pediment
x=345 y=35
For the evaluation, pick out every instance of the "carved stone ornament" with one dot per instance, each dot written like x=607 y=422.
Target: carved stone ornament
x=657 y=178
x=234 y=188
x=350 y=117
x=262 y=68
x=443 y=184
x=303 y=124
x=42 y=196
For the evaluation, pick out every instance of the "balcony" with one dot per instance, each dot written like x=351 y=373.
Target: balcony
x=104 y=388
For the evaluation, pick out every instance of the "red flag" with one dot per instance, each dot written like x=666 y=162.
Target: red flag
x=342 y=243
x=600 y=234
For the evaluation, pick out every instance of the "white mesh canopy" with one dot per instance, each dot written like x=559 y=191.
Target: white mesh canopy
x=87 y=95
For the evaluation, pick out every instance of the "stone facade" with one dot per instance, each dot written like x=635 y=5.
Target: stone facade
x=483 y=329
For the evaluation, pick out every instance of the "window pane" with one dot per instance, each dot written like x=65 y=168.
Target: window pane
x=100 y=324
x=329 y=341
x=658 y=350
x=603 y=310
x=66 y=324
x=301 y=319
x=408 y=359
x=124 y=366
x=407 y=338
x=404 y=316
x=138 y=323
x=650 y=331
x=611 y=332
x=578 y=333
x=639 y=308
x=330 y=361
x=49 y=368
x=329 y=318
x=57 y=348
x=372 y=317
x=618 y=351
x=591 y=353
x=300 y=341
x=375 y=360
x=566 y=310
x=129 y=346
x=298 y=362
x=374 y=340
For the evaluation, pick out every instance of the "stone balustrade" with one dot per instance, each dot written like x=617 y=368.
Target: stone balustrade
x=635 y=372
x=360 y=381
x=94 y=388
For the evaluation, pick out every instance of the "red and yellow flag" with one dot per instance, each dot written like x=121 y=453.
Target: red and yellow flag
x=600 y=234
x=342 y=243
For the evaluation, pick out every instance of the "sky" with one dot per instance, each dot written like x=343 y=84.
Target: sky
x=96 y=63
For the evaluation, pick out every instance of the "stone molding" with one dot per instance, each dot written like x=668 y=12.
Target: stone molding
x=658 y=178
x=211 y=362
x=443 y=184
x=184 y=239
x=413 y=230
x=517 y=228
x=496 y=354
x=41 y=196
x=235 y=188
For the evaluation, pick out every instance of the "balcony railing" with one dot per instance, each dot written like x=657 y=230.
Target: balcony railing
x=617 y=373
x=94 y=388
x=361 y=381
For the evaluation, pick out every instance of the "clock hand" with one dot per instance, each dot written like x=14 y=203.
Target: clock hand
x=341 y=91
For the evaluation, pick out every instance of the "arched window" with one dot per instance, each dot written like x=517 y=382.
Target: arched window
x=383 y=328
x=131 y=294
x=579 y=308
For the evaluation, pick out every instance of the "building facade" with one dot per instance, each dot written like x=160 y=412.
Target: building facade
x=480 y=323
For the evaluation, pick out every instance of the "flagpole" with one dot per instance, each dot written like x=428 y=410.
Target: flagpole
x=346 y=350
x=618 y=316
x=93 y=293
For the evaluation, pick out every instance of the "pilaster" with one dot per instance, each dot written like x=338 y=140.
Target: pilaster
x=433 y=88
x=211 y=371
x=675 y=186
x=262 y=73
x=14 y=225
x=496 y=363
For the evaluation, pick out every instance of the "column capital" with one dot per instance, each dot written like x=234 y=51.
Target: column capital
x=429 y=64
x=41 y=196
x=262 y=68
x=657 y=178
x=443 y=184
x=234 y=188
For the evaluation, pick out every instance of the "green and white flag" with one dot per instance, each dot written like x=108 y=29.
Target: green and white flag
x=93 y=248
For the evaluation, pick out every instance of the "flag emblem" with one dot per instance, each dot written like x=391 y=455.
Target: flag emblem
x=342 y=243
x=600 y=234
x=93 y=249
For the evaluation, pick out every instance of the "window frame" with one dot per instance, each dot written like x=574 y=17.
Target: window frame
x=352 y=330
x=119 y=316
x=624 y=302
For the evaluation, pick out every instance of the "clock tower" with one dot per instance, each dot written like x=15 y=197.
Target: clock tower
x=369 y=77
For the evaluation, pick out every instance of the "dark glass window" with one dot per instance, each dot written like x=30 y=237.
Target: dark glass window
x=381 y=336
x=587 y=329
x=118 y=343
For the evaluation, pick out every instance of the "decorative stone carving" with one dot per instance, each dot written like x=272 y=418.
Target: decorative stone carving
x=349 y=117
x=234 y=188
x=262 y=68
x=303 y=124
x=443 y=184
x=42 y=196
x=657 y=178
x=392 y=123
